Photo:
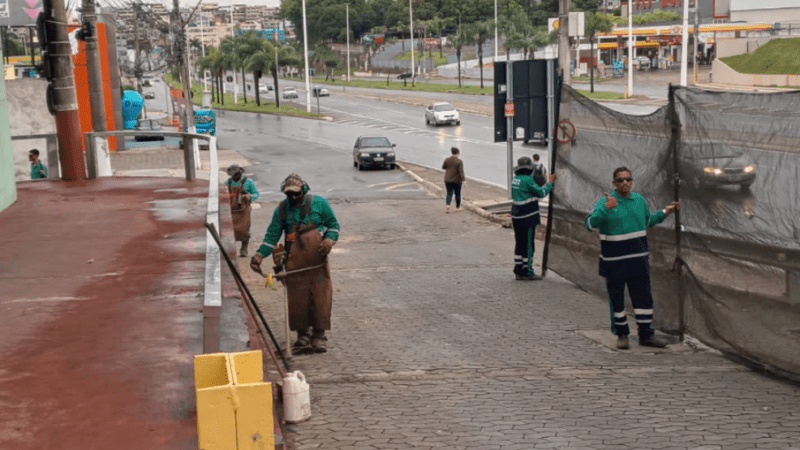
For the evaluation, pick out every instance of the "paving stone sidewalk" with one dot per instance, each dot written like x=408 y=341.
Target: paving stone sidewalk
x=434 y=345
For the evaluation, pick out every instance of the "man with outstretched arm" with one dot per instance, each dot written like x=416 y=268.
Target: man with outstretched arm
x=622 y=218
x=310 y=230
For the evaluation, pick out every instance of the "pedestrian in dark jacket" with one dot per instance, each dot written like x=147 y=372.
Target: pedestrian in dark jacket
x=622 y=218
x=453 y=178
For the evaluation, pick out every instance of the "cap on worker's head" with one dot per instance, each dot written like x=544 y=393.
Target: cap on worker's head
x=293 y=183
x=234 y=169
x=524 y=163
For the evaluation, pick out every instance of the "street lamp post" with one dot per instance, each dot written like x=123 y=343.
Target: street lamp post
x=495 y=32
x=305 y=56
x=235 y=82
x=685 y=43
x=630 y=48
x=347 y=5
x=411 y=29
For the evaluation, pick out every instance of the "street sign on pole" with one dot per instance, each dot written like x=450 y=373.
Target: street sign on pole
x=509 y=109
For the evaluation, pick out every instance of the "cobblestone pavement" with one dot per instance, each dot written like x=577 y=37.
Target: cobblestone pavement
x=435 y=345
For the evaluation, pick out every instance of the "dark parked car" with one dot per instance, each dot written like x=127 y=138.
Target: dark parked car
x=370 y=151
x=148 y=125
x=404 y=75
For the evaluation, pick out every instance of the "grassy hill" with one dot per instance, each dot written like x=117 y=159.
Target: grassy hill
x=778 y=56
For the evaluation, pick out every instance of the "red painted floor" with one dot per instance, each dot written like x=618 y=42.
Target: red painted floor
x=100 y=314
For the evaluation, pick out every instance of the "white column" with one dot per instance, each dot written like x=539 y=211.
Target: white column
x=411 y=28
x=630 y=47
x=305 y=56
x=685 y=43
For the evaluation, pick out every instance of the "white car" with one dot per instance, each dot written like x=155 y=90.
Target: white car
x=262 y=89
x=321 y=92
x=289 y=92
x=442 y=112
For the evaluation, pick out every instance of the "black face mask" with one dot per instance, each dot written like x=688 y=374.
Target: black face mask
x=237 y=176
x=295 y=200
x=523 y=171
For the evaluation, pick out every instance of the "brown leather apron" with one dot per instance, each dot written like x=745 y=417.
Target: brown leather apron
x=310 y=292
x=240 y=212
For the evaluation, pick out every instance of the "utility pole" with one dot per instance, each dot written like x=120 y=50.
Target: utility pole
x=187 y=83
x=684 y=42
x=347 y=5
x=65 y=100
x=95 y=78
x=563 y=41
x=411 y=29
x=137 y=70
x=696 y=37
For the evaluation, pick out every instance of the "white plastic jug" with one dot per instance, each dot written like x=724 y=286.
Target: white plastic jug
x=296 y=398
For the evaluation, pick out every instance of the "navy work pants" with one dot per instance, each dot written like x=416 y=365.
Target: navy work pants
x=642 y=300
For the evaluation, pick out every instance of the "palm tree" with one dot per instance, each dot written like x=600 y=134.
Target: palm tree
x=460 y=40
x=260 y=62
x=478 y=33
x=437 y=24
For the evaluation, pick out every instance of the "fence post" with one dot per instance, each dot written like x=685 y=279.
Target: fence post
x=53 y=168
x=675 y=144
x=91 y=156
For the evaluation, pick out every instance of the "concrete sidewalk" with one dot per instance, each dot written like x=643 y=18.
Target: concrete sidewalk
x=434 y=346
x=101 y=313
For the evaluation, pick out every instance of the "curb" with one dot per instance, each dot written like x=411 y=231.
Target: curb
x=505 y=222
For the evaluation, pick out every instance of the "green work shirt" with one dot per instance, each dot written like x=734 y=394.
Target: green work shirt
x=320 y=213
x=248 y=187
x=36 y=168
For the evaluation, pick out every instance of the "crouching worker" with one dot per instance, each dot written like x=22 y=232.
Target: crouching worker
x=310 y=230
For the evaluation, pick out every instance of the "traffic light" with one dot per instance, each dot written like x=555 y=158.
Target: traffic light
x=85 y=31
x=46 y=32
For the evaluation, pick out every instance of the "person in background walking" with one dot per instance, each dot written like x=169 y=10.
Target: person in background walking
x=525 y=216
x=622 y=218
x=453 y=178
x=242 y=192
x=539 y=171
x=38 y=169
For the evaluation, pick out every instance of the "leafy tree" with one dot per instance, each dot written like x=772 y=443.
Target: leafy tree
x=596 y=22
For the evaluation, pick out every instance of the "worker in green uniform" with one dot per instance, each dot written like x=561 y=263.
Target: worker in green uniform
x=38 y=169
x=622 y=218
x=310 y=231
x=241 y=192
x=525 y=193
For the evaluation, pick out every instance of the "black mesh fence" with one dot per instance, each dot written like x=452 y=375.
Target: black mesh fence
x=730 y=274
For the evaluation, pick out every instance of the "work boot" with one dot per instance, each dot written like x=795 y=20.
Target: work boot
x=622 y=342
x=318 y=341
x=529 y=277
x=243 y=252
x=654 y=341
x=302 y=345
